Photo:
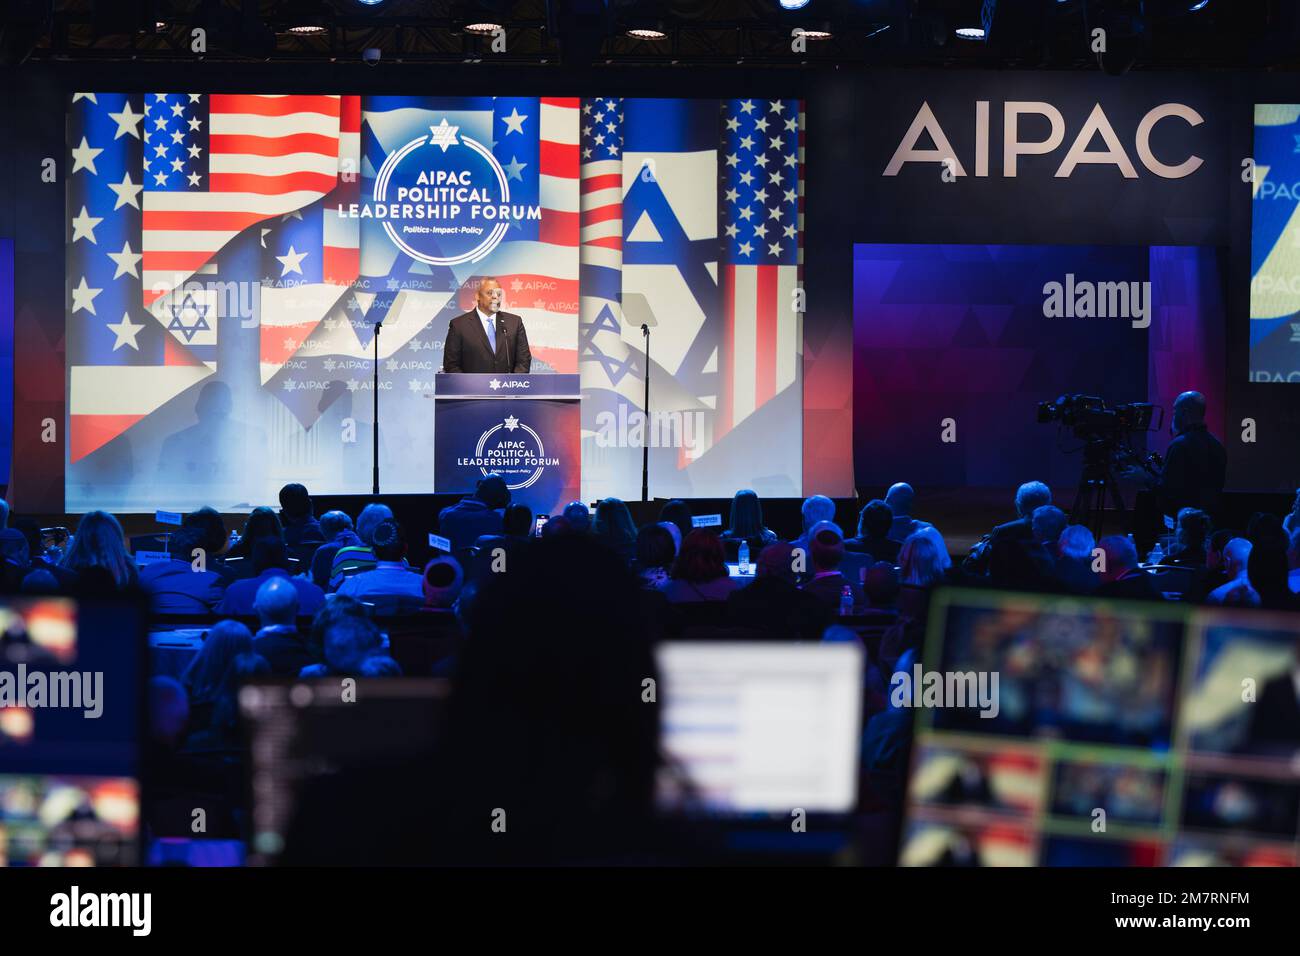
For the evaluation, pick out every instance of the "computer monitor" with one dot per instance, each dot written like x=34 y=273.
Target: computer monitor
x=1119 y=734
x=300 y=731
x=71 y=727
x=761 y=728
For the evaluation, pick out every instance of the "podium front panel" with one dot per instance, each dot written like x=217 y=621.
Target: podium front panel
x=524 y=427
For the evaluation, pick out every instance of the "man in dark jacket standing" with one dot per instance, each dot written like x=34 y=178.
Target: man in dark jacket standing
x=485 y=339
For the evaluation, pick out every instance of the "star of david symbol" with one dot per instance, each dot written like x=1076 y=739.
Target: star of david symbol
x=443 y=135
x=511 y=423
x=494 y=384
x=188 y=306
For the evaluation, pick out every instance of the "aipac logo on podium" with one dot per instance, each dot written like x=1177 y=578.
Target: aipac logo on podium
x=443 y=198
x=514 y=451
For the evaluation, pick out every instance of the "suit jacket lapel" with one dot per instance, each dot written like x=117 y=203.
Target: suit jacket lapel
x=477 y=323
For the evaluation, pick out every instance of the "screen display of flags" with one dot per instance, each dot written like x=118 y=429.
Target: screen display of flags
x=692 y=226
x=225 y=279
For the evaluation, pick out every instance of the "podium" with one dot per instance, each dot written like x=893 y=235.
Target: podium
x=525 y=428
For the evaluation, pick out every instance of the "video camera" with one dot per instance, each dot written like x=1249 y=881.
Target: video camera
x=1090 y=417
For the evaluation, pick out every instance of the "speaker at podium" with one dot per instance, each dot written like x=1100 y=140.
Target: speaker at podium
x=524 y=427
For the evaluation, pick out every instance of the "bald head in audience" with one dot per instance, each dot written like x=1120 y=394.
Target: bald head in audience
x=276 y=602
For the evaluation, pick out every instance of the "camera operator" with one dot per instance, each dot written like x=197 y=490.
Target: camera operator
x=1192 y=476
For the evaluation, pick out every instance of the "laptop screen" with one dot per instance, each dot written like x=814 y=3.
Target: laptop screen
x=761 y=728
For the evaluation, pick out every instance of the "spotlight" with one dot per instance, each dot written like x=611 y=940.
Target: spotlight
x=482 y=29
x=793 y=4
x=817 y=31
x=1198 y=5
x=306 y=29
x=650 y=30
x=970 y=33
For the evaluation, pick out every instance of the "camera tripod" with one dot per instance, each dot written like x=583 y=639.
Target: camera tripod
x=1097 y=481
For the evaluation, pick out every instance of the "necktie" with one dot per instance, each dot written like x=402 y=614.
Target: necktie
x=490 y=327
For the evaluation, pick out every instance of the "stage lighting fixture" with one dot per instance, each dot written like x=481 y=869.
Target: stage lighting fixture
x=1198 y=5
x=482 y=29
x=970 y=33
x=647 y=30
x=817 y=31
x=793 y=4
x=306 y=29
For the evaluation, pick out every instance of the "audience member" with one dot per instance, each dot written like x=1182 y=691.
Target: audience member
x=874 y=524
x=614 y=527
x=899 y=498
x=336 y=529
x=221 y=732
x=179 y=585
x=655 y=552
x=880 y=586
x=476 y=514
x=262 y=523
x=1267 y=571
x=1291 y=523
x=1121 y=575
x=296 y=514
x=99 y=546
x=286 y=649
x=441 y=582
x=578 y=515
x=1073 y=569
x=827 y=583
x=747 y=522
x=210 y=528
x=1047 y=523
x=679 y=513
x=676 y=533
x=700 y=571
x=1191 y=539
x=815 y=510
x=392 y=584
x=205 y=678
x=1030 y=496
x=270 y=560
x=352 y=559
x=347 y=637
x=922 y=561
x=1237 y=590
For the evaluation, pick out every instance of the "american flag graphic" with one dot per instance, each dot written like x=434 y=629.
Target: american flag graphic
x=761 y=209
x=692 y=223
x=215 y=165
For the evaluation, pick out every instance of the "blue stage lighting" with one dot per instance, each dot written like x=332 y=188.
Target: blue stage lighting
x=793 y=4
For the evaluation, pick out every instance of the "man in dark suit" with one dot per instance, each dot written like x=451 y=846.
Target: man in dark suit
x=485 y=339
x=1123 y=578
x=1193 y=475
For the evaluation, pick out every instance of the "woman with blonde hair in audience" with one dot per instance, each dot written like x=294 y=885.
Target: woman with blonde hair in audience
x=100 y=544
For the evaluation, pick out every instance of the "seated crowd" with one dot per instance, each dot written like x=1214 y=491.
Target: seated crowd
x=297 y=595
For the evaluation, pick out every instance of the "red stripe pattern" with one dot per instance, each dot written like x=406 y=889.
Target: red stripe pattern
x=215 y=165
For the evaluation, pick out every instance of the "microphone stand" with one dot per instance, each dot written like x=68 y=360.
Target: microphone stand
x=374 y=489
x=645 y=443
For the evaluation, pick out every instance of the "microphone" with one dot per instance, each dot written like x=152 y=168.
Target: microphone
x=501 y=330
